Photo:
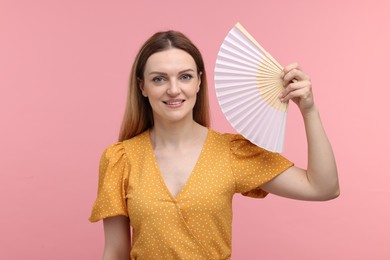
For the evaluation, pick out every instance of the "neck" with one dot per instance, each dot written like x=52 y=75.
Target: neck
x=176 y=135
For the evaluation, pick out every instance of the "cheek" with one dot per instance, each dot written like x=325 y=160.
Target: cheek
x=151 y=92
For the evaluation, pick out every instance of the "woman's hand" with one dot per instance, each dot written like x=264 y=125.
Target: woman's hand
x=320 y=180
x=297 y=88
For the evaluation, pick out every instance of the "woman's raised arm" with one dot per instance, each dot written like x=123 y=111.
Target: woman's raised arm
x=320 y=180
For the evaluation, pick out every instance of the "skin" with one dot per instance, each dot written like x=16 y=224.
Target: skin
x=320 y=181
x=171 y=82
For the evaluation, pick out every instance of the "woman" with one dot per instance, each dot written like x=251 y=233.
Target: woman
x=172 y=178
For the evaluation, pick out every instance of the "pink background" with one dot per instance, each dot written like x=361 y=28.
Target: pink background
x=64 y=73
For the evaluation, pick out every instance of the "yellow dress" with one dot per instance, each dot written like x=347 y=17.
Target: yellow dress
x=197 y=223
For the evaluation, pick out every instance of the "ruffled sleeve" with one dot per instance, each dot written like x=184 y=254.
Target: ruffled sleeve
x=253 y=166
x=112 y=187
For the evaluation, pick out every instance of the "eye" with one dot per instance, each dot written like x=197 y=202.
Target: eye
x=158 y=79
x=186 y=77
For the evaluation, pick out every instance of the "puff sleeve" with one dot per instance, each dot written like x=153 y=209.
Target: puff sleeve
x=253 y=166
x=112 y=187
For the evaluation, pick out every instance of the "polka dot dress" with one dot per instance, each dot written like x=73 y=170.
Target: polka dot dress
x=197 y=223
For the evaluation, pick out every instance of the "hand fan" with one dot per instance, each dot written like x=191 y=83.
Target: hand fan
x=248 y=83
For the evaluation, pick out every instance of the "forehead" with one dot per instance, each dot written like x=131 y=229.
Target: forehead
x=170 y=60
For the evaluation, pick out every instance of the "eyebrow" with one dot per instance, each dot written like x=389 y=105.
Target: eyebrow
x=163 y=73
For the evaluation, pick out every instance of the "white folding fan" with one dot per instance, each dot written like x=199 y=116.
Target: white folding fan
x=247 y=84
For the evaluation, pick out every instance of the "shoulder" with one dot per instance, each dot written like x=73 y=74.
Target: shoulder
x=124 y=146
x=224 y=137
x=140 y=138
x=127 y=149
x=239 y=146
x=113 y=153
x=234 y=144
x=230 y=139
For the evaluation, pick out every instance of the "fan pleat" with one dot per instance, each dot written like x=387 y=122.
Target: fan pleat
x=234 y=92
x=237 y=97
x=245 y=61
x=236 y=41
x=237 y=34
x=240 y=61
x=248 y=84
x=256 y=115
x=240 y=54
x=227 y=65
x=243 y=116
x=236 y=72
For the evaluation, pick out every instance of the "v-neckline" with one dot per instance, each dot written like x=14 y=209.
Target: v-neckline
x=193 y=171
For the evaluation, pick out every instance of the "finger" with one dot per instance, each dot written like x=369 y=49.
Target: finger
x=296 y=85
x=299 y=94
x=292 y=87
x=296 y=74
x=289 y=67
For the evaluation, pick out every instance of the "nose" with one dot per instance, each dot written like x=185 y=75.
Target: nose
x=173 y=88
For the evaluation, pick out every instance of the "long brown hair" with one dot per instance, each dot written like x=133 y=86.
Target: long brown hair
x=138 y=115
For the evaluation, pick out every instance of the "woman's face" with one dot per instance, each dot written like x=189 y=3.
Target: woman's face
x=171 y=83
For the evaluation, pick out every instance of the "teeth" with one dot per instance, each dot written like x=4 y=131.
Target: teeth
x=173 y=103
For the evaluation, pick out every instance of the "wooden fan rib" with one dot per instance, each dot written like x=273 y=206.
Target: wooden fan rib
x=265 y=65
x=277 y=82
x=268 y=87
x=276 y=104
x=272 y=78
x=267 y=91
x=272 y=99
x=268 y=74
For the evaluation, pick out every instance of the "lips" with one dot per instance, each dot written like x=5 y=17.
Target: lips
x=174 y=102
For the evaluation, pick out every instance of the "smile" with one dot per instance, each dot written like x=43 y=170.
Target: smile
x=173 y=103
